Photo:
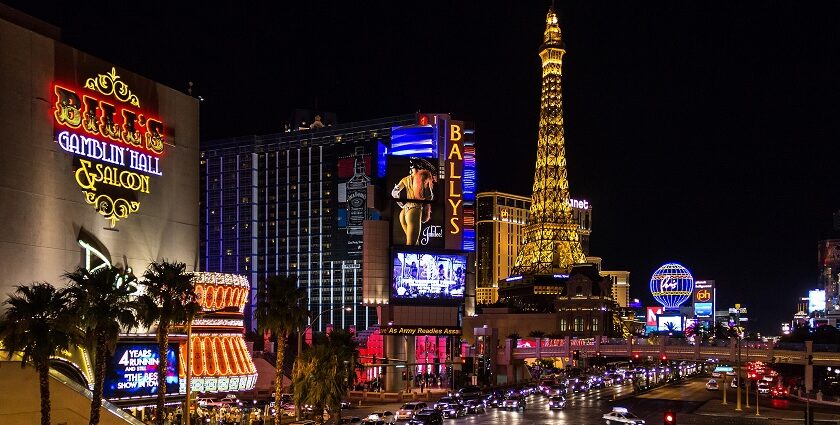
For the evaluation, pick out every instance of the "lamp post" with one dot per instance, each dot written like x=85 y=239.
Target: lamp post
x=738 y=374
x=300 y=341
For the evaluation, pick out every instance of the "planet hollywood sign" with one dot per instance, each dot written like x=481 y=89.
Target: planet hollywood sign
x=116 y=146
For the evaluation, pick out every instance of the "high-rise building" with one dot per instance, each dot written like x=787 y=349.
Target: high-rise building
x=829 y=277
x=501 y=220
x=620 y=286
x=294 y=203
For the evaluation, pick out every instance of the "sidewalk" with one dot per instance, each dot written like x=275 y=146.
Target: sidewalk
x=768 y=414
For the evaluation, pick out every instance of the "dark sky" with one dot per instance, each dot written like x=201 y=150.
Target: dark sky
x=706 y=134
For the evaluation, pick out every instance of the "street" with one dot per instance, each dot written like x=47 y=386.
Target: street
x=690 y=400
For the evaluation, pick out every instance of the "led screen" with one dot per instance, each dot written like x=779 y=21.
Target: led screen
x=665 y=320
x=133 y=371
x=816 y=300
x=425 y=276
x=703 y=309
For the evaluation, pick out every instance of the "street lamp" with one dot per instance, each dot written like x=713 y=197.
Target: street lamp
x=300 y=340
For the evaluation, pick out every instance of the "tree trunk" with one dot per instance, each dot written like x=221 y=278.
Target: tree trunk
x=43 y=369
x=278 y=376
x=98 y=378
x=163 y=342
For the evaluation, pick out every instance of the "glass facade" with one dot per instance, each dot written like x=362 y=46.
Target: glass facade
x=277 y=205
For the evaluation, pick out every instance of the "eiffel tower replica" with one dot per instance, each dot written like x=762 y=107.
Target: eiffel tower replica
x=550 y=241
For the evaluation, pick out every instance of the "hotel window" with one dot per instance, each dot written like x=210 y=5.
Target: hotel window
x=578 y=324
x=579 y=291
x=594 y=324
x=564 y=325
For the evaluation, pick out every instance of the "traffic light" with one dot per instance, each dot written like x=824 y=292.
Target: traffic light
x=670 y=418
x=404 y=376
x=576 y=355
x=664 y=358
x=635 y=357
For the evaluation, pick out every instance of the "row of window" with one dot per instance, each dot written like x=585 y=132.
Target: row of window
x=578 y=325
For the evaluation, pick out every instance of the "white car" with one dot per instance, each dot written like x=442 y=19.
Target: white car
x=620 y=415
x=384 y=416
x=408 y=410
x=763 y=387
x=712 y=385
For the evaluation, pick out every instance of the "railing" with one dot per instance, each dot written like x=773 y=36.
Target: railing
x=681 y=350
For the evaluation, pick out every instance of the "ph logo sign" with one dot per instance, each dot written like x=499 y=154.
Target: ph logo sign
x=703 y=295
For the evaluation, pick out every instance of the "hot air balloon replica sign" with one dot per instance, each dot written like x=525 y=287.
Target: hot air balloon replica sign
x=671 y=285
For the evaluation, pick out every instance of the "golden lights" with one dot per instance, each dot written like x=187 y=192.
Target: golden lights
x=115 y=144
x=550 y=240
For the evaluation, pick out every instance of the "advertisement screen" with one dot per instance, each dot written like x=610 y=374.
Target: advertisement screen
x=427 y=277
x=353 y=173
x=133 y=371
x=414 y=140
x=670 y=323
x=651 y=315
x=703 y=309
x=417 y=202
x=816 y=300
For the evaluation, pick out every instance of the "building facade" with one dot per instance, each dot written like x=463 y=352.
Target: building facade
x=89 y=174
x=294 y=203
x=620 y=286
x=500 y=221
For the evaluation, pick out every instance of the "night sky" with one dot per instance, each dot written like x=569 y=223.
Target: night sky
x=703 y=134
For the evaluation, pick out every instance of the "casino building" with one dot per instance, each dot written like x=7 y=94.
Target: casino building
x=376 y=215
x=100 y=166
x=500 y=221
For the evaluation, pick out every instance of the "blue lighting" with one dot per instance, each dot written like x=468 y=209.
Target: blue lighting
x=671 y=285
x=414 y=140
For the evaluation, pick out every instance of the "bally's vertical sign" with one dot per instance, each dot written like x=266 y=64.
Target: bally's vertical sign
x=454 y=168
x=116 y=143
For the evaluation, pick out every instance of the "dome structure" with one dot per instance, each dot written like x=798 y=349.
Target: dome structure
x=671 y=285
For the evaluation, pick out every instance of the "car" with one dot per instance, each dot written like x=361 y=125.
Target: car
x=452 y=409
x=580 y=387
x=555 y=390
x=712 y=385
x=556 y=402
x=734 y=383
x=469 y=393
x=763 y=387
x=476 y=406
x=620 y=415
x=408 y=410
x=427 y=417
x=779 y=392
x=514 y=402
x=494 y=399
x=716 y=374
x=382 y=415
x=346 y=404
x=444 y=401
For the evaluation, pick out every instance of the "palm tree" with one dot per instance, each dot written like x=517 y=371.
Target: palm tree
x=170 y=300
x=319 y=381
x=102 y=299
x=39 y=323
x=281 y=309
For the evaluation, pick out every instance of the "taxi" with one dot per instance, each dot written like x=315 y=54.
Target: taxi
x=620 y=416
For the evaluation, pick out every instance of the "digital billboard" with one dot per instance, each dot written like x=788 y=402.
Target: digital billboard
x=417 y=202
x=353 y=172
x=664 y=322
x=414 y=140
x=816 y=300
x=703 y=310
x=704 y=298
x=420 y=276
x=652 y=312
x=132 y=371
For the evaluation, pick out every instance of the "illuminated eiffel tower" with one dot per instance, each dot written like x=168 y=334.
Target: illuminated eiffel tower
x=550 y=241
